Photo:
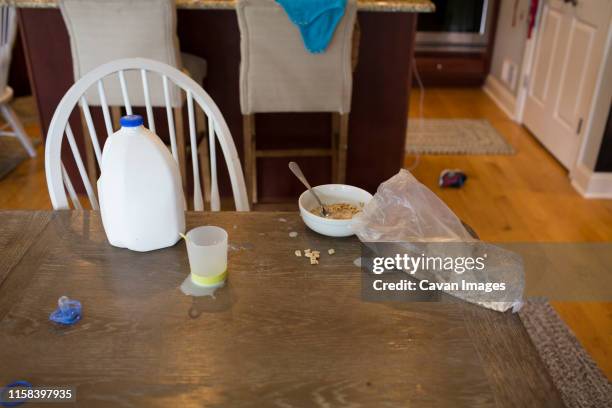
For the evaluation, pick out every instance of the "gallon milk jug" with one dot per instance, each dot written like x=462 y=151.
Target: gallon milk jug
x=140 y=190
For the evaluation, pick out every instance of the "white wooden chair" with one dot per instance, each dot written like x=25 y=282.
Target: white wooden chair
x=278 y=74
x=107 y=30
x=8 y=31
x=151 y=73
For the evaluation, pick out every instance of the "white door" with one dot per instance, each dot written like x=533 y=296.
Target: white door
x=569 y=50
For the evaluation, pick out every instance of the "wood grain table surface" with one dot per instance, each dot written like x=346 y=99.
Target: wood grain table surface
x=281 y=333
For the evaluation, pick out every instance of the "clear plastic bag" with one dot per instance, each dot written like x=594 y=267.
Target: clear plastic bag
x=405 y=210
x=407 y=213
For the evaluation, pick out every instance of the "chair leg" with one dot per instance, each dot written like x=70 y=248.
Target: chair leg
x=200 y=118
x=249 y=154
x=254 y=159
x=17 y=127
x=115 y=116
x=202 y=129
x=254 y=162
x=205 y=166
x=180 y=143
x=343 y=147
x=334 y=146
x=90 y=157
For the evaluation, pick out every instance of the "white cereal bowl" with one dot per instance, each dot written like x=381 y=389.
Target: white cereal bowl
x=331 y=194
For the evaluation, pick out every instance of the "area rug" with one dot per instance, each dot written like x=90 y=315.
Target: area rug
x=12 y=154
x=580 y=382
x=454 y=136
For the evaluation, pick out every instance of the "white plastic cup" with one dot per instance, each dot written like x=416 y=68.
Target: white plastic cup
x=207 y=252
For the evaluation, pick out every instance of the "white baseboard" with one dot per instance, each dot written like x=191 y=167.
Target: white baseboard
x=502 y=97
x=591 y=184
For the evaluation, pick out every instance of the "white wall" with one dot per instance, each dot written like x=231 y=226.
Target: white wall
x=510 y=39
x=509 y=47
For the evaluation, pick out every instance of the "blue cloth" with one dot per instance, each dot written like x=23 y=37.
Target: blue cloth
x=316 y=19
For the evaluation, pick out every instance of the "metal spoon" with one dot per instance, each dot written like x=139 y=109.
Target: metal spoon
x=295 y=169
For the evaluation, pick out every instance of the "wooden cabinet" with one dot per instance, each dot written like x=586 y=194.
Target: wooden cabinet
x=451 y=58
x=452 y=69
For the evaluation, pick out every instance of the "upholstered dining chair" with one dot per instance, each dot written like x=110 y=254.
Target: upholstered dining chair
x=8 y=31
x=139 y=75
x=278 y=74
x=106 y=30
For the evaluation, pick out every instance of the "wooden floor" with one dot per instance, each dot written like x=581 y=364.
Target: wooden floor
x=520 y=198
x=25 y=187
x=523 y=197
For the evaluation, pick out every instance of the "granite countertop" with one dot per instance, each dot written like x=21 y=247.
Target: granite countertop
x=410 y=6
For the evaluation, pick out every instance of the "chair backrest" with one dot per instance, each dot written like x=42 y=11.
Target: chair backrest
x=278 y=74
x=148 y=71
x=8 y=31
x=107 y=30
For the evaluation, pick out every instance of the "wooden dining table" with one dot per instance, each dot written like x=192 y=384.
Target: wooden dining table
x=282 y=332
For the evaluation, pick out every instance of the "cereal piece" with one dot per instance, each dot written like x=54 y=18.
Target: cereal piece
x=293 y=234
x=338 y=211
x=298 y=252
x=307 y=252
x=331 y=251
x=313 y=261
x=316 y=254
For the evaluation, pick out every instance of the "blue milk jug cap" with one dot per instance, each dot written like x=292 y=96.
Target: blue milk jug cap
x=131 y=121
